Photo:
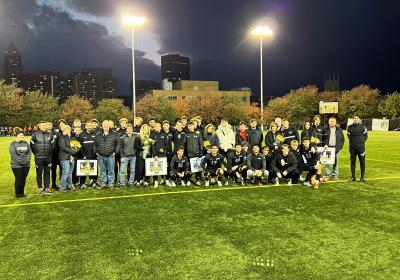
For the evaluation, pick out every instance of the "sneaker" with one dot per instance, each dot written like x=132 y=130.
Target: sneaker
x=111 y=187
x=155 y=184
x=48 y=191
x=352 y=179
x=122 y=186
x=100 y=187
x=183 y=184
x=146 y=184
x=188 y=183
x=259 y=183
x=276 y=182
x=362 y=180
x=40 y=191
x=307 y=184
x=226 y=183
x=198 y=183
x=173 y=184
x=162 y=182
x=289 y=183
x=94 y=185
x=208 y=183
x=63 y=190
x=242 y=182
x=83 y=186
x=301 y=179
x=212 y=181
x=219 y=183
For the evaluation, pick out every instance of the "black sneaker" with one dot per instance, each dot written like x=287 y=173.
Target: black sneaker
x=362 y=180
x=352 y=179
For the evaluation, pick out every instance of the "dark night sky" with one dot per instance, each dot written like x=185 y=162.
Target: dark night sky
x=357 y=38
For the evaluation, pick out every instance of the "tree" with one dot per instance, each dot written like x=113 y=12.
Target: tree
x=303 y=103
x=390 y=106
x=76 y=107
x=10 y=105
x=362 y=100
x=36 y=107
x=112 y=109
x=277 y=107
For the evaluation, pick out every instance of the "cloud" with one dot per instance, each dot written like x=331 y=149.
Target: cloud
x=51 y=39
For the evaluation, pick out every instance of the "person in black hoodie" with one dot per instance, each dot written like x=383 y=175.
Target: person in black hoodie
x=358 y=135
x=42 y=146
x=20 y=153
x=269 y=157
x=237 y=164
x=271 y=138
x=254 y=135
x=55 y=161
x=180 y=168
x=66 y=154
x=285 y=166
x=107 y=144
x=288 y=132
x=212 y=165
x=319 y=129
x=179 y=136
x=87 y=139
x=159 y=148
x=169 y=134
x=256 y=166
x=307 y=131
x=310 y=163
x=194 y=147
x=210 y=138
x=75 y=136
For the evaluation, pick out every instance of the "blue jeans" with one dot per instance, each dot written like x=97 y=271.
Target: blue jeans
x=67 y=167
x=107 y=173
x=131 y=160
x=328 y=167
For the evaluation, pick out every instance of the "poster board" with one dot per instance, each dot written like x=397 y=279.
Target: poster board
x=380 y=125
x=195 y=164
x=328 y=107
x=156 y=166
x=86 y=167
x=327 y=156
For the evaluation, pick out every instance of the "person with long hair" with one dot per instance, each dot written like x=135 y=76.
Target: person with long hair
x=143 y=145
x=20 y=153
x=210 y=138
x=307 y=131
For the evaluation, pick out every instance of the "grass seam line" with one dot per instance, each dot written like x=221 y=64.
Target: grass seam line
x=167 y=193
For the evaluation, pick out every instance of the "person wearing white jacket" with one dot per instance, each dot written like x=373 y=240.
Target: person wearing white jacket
x=226 y=137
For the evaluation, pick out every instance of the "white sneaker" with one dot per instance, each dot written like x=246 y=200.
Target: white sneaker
x=219 y=183
x=198 y=183
x=226 y=183
x=301 y=178
x=307 y=184
x=289 y=183
x=183 y=184
x=156 y=184
x=276 y=182
x=208 y=183
x=188 y=183
x=173 y=184
x=168 y=183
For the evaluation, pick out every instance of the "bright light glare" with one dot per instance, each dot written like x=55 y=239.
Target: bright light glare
x=263 y=30
x=132 y=20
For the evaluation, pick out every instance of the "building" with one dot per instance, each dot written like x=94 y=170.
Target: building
x=84 y=85
x=175 y=67
x=106 y=85
x=332 y=83
x=50 y=82
x=12 y=64
x=200 y=90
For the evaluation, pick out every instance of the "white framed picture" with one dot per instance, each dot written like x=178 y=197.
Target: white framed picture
x=86 y=167
x=326 y=156
x=156 y=166
x=195 y=164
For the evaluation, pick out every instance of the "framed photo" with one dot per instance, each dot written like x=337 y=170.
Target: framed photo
x=155 y=167
x=86 y=167
x=195 y=164
x=326 y=156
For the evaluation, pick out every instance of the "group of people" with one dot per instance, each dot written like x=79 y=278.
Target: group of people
x=245 y=156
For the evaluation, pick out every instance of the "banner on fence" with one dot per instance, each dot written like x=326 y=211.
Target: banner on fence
x=328 y=107
x=380 y=125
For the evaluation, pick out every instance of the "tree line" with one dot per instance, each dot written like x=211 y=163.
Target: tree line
x=19 y=108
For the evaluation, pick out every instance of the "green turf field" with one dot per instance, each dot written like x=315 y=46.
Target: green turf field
x=341 y=231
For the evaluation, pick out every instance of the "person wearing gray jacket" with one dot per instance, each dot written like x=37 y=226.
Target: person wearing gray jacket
x=20 y=153
x=128 y=156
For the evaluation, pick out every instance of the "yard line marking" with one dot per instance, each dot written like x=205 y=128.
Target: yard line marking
x=170 y=192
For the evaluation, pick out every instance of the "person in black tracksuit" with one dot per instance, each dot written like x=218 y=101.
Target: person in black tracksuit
x=212 y=165
x=358 y=135
x=254 y=135
x=87 y=139
x=309 y=162
x=256 y=166
x=307 y=131
x=288 y=132
x=269 y=157
x=75 y=135
x=237 y=164
x=180 y=168
x=42 y=146
x=121 y=131
x=270 y=138
x=194 y=147
x=285 y=165
x=319 y=130
x=55 y=161
x=159 y=148
x=169 y=134
x=178 y=136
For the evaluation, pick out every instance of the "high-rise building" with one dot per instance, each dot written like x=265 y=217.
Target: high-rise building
x=12 y=64
x=175 y=67
x=84 y=85
x=49 y=82
x=106 y=85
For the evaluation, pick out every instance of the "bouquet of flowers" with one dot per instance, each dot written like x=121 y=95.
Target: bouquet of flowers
x=280 y=139
x=314 y=140
x=207 y=145
x=75 y=145
x=147 y=146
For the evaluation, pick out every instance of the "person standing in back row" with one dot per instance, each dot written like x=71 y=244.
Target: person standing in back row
x=358 y=135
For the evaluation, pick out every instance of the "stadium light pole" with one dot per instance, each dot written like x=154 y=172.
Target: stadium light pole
x=262 y=31
x=133 y=22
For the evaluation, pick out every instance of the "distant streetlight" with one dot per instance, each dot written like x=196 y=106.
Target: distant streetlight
x=133 y=21
x=262 y=31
